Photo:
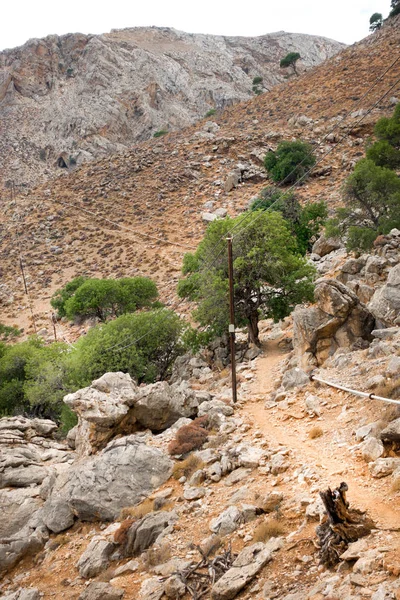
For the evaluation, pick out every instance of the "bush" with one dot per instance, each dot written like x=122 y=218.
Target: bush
x=257 y=80
x=8 y=332
x=189 y=437
x=267 y=530
x=160 y=133
x=186 y=468
x=384 y=154
x=290 y=162
x=60 y=297
x=210 y=112
x=104 y=298
x=142 y=344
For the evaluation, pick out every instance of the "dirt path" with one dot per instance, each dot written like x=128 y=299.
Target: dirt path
x=331 y=461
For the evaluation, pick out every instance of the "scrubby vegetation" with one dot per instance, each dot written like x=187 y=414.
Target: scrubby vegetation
x=305 y=221
x=190 y=437
x=372 y=192
x=103 y=298
x=290 y=162
x=34 y=377
x=270 y=276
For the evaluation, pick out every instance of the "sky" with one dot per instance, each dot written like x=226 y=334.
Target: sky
x=343 y=20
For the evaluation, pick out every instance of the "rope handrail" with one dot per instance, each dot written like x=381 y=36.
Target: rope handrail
x=355 y=392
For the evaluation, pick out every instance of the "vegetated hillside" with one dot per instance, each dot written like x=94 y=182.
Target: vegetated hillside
x=138 y=211
x=77 y=97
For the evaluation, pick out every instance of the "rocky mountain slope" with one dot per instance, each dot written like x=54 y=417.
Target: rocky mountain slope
x=138 y=211
x=77 y=97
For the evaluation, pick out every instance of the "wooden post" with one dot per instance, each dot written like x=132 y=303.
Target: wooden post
x=232 y=321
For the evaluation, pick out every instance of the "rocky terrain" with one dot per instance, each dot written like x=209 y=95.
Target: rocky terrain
x=65 y=100
x=112 y=511
x=110 y=514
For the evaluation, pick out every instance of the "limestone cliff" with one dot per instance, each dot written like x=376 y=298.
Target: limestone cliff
x=77 y=97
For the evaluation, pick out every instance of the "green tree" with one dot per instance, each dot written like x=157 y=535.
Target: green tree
x=290 y=162
x=144 y=344
x=61 y=296
x=305 y=222
x=270 y=278
x=104 y=298
x=372 y=197
x=386 y=151
x=395 y=5
x=375 y=21
x=290 y=60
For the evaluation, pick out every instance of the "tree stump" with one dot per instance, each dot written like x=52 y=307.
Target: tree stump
x=341 y=525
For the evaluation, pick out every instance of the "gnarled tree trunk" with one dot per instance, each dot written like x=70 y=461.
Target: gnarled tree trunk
x=341 y=526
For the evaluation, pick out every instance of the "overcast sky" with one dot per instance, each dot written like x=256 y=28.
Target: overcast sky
x=343 y=20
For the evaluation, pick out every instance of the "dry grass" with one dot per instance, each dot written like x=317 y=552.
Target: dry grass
x=137 y=512
x=106 y=575
x=211 y=545
x=267 y=530
x=217 y=440
x=157 y=555
x=390 y=389
x=315 y=432
x=186 y=468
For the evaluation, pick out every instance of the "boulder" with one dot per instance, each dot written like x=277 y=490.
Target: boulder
x=249 y=562
x=16 y=508
x=100 y=408
x=23 y=594
x=371 y=449
x=143 y=533
x=371 y=430
x=385 y=303
x=392 y=432
x=159 y=405
x=97 y=590
x=294 y=378
x=227 y=522
x=27 y=542
x=98 y=487
x=232 y=180
x=324 y=246
x=382 y=467
x=96 y=557
x=338 y=320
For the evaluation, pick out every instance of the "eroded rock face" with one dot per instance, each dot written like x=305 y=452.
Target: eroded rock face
x=119 y=88
x=385 y=303
x=113 y=405
x=121 y=475
x=338 y=320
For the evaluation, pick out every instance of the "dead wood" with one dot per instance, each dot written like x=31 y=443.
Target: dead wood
x=198 y=578
x=341 y=526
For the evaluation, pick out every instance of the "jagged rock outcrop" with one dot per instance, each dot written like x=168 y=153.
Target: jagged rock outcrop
x=385 y=303
x=339 y=319
x=76 y=97
x=113 y=405
x=97 y=488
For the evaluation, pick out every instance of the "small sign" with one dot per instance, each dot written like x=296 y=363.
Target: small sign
x=231 y=328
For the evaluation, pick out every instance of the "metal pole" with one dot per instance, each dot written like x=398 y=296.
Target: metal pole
x=232 y=321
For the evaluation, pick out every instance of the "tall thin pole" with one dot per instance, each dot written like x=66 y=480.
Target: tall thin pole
x=232 y=321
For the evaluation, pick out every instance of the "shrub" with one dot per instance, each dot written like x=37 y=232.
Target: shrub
x=103 y=298
x=290 y=162
x=383 y=154
x=61 y=296
x=315 y=432
x=267 y=530
x=157 y=555
x=143 y=344
x=189 y=437
x=160 y=133
x=186 y=468
x=257 y=80
x=210 y=112
x=8 y=332
x=139 y=511
x=395 y=5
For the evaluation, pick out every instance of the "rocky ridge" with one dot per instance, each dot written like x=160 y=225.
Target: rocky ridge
x=80 y=97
